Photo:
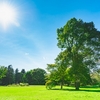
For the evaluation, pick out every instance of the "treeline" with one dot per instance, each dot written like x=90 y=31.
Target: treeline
x=10 y=76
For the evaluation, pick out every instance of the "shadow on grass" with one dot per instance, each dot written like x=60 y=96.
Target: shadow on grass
x=81 y=89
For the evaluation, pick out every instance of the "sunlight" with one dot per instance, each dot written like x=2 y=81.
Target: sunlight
x=7 y=15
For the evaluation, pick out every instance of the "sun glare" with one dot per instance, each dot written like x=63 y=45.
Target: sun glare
x=7 y=15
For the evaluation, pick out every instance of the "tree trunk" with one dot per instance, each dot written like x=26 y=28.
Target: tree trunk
x=61 y=84
x=77 y=85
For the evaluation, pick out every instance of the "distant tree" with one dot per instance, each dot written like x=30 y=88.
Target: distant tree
x=10 y=74
x=23 y=75
x=35 y=76
x=28 y=77
x=23 y=71
x=17 y=76
x=81 y=40
x=3 y=71
x=38 y=76
x=9 y=78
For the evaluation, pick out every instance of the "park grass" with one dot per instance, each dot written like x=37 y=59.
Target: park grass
x=41 y=93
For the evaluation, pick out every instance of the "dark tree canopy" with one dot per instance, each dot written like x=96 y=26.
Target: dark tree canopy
x=36 y=76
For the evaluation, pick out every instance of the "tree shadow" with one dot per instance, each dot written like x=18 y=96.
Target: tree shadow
x=81 y=89
x=86 y=90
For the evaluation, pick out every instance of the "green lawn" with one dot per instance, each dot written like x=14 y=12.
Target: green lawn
x=41 y=93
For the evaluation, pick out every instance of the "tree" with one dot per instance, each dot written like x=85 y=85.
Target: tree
x=35 y=76
x=17 y=76
x=3 y=71
x=10 y=75
x=23 y=75
x=81 y=40
x=62 y=61
x=58 y=71
x=51 y=77
x=28 y=77
x=39 y=76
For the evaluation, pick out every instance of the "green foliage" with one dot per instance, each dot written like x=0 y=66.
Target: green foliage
x=22 y=75
x=58 y=71
x=39 y=76
x=50 y=84
x=95 y=76
x=17 y=76
x=35 y=76
x=10 y=75
x=81 y=40
x=80 y=45
x=3 y=71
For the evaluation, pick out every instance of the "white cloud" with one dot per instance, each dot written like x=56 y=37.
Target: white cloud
x=26 y=54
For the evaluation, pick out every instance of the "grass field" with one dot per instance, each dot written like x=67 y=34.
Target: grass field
x=41 y=93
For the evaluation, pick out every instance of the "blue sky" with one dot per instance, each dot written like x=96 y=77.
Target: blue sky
x=31 y=42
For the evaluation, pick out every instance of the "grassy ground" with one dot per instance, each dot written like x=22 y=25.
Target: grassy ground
x=41 y=93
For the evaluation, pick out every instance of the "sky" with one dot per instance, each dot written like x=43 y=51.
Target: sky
x=28 y=38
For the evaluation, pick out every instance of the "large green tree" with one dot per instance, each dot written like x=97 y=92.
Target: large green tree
x=81 y=40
